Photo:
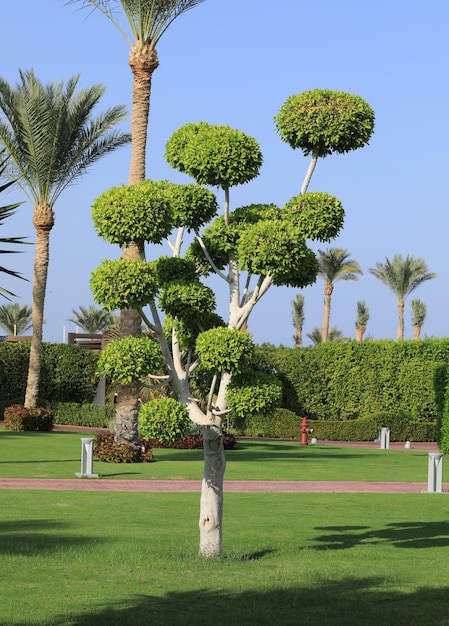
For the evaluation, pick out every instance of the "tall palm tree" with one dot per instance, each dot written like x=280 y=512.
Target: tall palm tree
x=144 y=23
x=419 y=312
x=362 y=320
x=334 y=265
x=52 y=138
x=93 y=320
x=402 y=276
x=5 y=212
x=15 y=318
x=298 y=318
x=335 y=336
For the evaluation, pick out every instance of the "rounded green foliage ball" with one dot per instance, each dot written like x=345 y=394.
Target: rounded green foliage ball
x=164 y=419
x=224 y=349
x=140 y=212
x=187 y=300
x=129 y=359
x=323 y=121
x=219 y=156
x=319 y=215
x=124 y=284
x=193 y=206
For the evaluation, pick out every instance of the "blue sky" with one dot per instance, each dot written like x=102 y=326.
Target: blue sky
x=235 y=62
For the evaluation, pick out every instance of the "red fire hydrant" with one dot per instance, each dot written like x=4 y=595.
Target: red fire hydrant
x=305 y=431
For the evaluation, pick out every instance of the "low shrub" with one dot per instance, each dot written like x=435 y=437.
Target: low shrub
x=18 y=417
x=105 y=449
x=282 y=423
x=86 y=414
x=194 y=442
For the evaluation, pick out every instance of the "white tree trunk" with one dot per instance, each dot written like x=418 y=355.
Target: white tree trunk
x=211 y=504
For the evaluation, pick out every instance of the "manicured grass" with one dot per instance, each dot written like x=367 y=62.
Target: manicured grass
x=117 y=559
x=57 y=455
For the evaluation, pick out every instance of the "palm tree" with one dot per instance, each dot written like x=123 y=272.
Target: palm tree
x=52 y=139
x=362 y=320
x=15 y=319
x=402 y=276
x=419 y=312
x=298 y=318
x=334 y=336
x=94 y=320
x=334 y=265
x=145 y=22
x=5 y=212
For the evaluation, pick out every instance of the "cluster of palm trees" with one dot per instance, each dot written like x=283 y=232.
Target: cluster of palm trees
x=401 y=276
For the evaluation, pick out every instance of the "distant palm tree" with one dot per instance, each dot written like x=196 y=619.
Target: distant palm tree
x=362 y=320
x=94 y=320
x=334 y=265
x=298 y=318
x=15 y=319
x=52 y=139
x=5 y=212
x=402 y=276
x=334 y=336
x=419 y=312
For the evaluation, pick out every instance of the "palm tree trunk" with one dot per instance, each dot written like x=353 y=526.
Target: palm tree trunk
x=298 y=338
x=359 y=332
x=43 y=221
x=416 y=332
x=143 y=61
x=400 y=333
x=328 y=289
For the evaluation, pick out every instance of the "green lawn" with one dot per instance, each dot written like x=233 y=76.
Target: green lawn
x=57 y=455
x=117 y=559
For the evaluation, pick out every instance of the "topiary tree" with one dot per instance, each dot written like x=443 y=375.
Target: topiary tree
x=322 y=122
x=208 y=363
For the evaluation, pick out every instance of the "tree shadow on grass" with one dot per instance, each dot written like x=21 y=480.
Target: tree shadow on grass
x=35 y=537
x=347 y=602
x=401 y=535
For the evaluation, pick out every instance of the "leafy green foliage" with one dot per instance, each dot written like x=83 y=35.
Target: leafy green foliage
x=224 y=349
x=278 y=248
x=85 y=414
x=193 y=206
x=164 y=419
x=129 y=359
x=140 y=212
x=187 y=300
x=105 y=449
x=18 y=417
x=219 y=156
x=358 y=379
x=124 y=284
x=255 y=393
x=171 y=269
x=319 y=215
x=194 y=442
x=322 y=121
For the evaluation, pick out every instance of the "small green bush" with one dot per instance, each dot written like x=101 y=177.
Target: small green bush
x=105 y=449
x=193 y=442
x=18 y=417
x=282 y=423
x=86 y=414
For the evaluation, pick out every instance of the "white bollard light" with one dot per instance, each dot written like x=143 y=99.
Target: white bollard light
x=87 y=458
x=384 y=438
x=408 y=445
x=435 y=474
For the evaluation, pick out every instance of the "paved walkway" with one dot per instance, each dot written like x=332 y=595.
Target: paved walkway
x=236 y=486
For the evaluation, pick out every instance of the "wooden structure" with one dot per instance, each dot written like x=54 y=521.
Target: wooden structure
x=88 y=340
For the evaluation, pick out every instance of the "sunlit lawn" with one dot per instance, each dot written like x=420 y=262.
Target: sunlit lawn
x=57 y=455
x=114 y=559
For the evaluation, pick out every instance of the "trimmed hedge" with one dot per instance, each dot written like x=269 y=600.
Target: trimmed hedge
x=67 y=374
x=86 y=414
x=358 y=379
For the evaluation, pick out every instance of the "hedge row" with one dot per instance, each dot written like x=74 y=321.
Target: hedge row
x=355 y=380
x=287 y=425
x=67 y=374
x=86 y=414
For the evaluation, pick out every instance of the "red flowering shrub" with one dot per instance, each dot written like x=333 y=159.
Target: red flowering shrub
x=18 y=417
x=105 y=449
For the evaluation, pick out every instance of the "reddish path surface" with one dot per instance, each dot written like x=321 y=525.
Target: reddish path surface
x=241 y=486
